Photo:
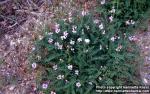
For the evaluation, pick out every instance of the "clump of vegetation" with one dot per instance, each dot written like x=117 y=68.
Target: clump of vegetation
x=90 y=51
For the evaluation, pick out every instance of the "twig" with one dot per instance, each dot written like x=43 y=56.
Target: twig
x=16 y=23
x=3 y=2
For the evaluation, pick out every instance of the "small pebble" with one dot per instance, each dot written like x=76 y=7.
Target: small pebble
x=11 y=87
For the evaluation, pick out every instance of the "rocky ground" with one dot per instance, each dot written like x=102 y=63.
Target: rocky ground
x=143 y=41
x=16 y=75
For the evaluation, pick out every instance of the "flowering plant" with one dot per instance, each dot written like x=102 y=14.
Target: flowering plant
x=87 y=52
x=82 y=54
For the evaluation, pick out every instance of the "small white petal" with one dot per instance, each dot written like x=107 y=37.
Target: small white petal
x=145 y=80
x=70 y=67
x=79 y=39
x=103 y=32
x=100 y=47
x=111 y=18
x=34 y=65
x=72 y=42
x=55 y=67
x=101 y=26
x=77 y=72
x=87 y=41
x=90 y=83
x=40 y=37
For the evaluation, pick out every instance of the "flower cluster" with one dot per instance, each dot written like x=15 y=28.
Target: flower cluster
x=130 y=22
x=83 y=52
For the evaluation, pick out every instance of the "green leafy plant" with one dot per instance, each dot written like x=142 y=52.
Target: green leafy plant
x=90 y=51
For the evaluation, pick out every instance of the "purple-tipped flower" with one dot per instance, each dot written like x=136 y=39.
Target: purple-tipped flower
x=44 y=85
x=78 y=84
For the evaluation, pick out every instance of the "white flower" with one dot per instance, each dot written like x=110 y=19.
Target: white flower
x=50 y=40
x=72 y=42
x=60 y=77
x=62 y=37
x=79 y=39
x=78 y=84
x=70 y=67
x=112 y=39
x=34 y=65
x=44 y=86
x=52 y=92
x=96 y=21
x=111 y=18
x=55 y=67
x=127 y=22
x=77 y=72
x=132 y=38
x=57 y=30
x=87 y=41
x=58 y=45
x=101 y=26
x=103 y=2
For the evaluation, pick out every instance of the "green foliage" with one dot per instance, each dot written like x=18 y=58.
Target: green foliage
x=91 y=51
